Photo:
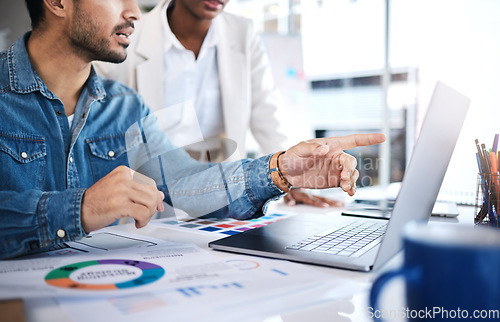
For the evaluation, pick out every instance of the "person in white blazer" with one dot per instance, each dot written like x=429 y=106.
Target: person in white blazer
x=246 y=93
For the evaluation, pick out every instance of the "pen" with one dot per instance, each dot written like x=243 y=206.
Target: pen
x=494 y=179
x=495 y=144
x=490 y=186
x=486 y=167
x=483 y=211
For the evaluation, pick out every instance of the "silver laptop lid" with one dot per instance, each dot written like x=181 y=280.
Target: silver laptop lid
x=427 y=167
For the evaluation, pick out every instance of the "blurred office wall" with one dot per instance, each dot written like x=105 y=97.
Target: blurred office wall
x=455 y=41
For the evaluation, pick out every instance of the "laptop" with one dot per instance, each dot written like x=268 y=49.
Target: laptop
x=358 y=243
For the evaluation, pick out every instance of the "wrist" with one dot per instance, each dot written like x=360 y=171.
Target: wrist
x=276 y=174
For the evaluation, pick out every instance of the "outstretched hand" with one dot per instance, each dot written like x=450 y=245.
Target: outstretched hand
x=322 y=163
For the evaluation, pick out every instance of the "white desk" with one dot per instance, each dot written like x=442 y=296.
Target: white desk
x=353 y=308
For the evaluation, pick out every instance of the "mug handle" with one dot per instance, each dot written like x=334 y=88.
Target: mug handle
x=406 y=272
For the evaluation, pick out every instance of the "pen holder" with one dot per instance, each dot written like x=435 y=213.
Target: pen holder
x=487 y=205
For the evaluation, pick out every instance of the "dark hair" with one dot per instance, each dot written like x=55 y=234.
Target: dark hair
x=35 y=9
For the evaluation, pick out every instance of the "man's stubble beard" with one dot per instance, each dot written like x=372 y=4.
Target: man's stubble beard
x=85 y=40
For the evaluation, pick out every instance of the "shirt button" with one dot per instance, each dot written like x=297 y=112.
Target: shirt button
x=24 y=155
x=70 y=159
x=61 y=233
x=111 y=153
x=59 y=113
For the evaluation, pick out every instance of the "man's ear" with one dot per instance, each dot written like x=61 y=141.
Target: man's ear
x=58 y=8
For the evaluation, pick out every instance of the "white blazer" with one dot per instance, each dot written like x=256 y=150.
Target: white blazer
x=249 y=97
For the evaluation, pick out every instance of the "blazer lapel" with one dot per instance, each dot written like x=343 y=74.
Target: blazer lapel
x=233 y=83
x=150 y=46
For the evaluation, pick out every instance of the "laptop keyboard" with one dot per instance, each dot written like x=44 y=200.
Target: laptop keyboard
x=352 y=239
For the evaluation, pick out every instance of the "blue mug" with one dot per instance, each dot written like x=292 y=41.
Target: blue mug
x=451 y=273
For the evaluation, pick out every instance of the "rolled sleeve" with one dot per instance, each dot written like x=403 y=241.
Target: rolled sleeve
x=259 y=190
x=58 y=229
x=239 y=189
x=260 y=186
x=34 y=221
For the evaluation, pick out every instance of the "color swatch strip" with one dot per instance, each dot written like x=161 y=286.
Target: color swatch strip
x=224 y=226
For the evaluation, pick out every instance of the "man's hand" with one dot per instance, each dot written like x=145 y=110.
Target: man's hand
x=322 y=163
x=121 y=193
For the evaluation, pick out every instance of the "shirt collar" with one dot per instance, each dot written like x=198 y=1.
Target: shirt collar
x=24 y=78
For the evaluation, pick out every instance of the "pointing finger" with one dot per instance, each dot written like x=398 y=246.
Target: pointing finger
x=355 y=140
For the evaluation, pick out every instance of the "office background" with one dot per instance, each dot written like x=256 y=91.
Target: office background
x=330 y=59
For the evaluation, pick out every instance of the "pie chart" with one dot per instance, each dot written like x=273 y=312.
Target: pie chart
x=106 y=274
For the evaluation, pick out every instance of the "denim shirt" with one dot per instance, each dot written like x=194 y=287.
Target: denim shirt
x=46 y=166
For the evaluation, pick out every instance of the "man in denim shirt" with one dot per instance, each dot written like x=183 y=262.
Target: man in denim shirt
x=70 y=140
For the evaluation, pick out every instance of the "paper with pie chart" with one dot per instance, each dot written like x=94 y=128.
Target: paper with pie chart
x=265 y=287
x=118 y=272
x=136 y=277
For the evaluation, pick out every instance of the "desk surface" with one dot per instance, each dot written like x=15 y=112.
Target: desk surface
x=351 y=308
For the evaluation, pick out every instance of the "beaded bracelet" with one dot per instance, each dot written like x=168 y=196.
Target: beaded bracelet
x=278 y=178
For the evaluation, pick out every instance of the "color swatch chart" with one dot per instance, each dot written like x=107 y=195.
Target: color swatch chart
x=224 y=226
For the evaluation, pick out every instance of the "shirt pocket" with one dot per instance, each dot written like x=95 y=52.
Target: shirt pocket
x=106 y=153
x=22 y=157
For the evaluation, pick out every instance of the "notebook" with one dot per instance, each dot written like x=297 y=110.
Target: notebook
x=366 y=243
x=382 y=208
